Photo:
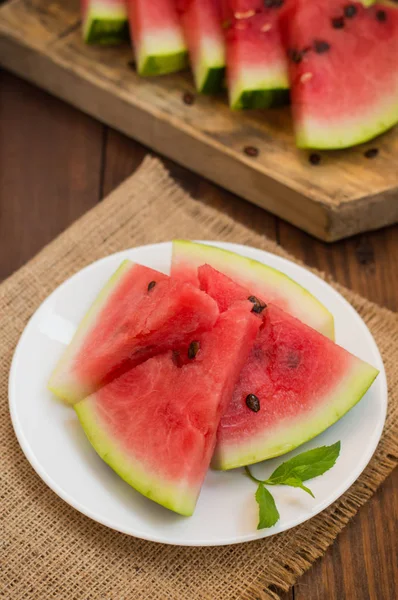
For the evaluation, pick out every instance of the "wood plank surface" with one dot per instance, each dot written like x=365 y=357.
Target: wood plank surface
x=56 y=163
x=41 y=41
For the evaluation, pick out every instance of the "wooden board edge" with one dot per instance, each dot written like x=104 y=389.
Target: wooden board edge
x=50 y=73
x=364 y=214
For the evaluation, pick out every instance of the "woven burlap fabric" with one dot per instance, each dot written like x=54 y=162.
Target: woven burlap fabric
x=50 y=551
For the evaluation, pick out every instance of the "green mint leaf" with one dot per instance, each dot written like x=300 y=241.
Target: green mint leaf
x=294 y=481
x=268 y=513
x=306 y=465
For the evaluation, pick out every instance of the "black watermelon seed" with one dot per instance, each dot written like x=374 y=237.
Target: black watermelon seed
x=371 y=153
x=381 y=16
x=293 y=360
x=176 y=358
x=253 y=403
x=338 y=23
x=321 y=46
x=295 y=56
x=251 y=151
x=151 y=285
x=188 y=98
x=273 y=3
x=350 y=10
x=314 y=158
x=259 y=305
x=193 y=350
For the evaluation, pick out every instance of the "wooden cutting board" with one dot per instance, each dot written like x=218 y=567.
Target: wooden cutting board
x=346 y=193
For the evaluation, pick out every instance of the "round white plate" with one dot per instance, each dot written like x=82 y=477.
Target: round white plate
x=54 y=443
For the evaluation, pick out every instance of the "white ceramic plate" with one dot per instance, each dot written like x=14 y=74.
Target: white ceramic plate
x=55 y=445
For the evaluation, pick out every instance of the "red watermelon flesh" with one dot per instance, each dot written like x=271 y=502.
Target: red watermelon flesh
x=304 y=383
x=201 y=20
x=158 y=36
x=138 y=314
x=343 y=71
x=156 y=425
x=256 y=60
x=260 y=279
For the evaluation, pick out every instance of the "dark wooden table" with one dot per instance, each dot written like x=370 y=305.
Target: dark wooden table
x=56 y=163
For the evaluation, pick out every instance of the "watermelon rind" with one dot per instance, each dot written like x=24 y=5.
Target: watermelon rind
x=259 y=98
x=60 y=382
x=257 y=89
x=209 y=70
x=297 y=300
x=162 y=64
x=161 y=53
x=105 y=25
x=310 y=134
x=295 y=432
x=176 y=498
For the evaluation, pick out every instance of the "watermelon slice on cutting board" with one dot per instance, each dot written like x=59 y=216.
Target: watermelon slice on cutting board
x=295 y=384
x=257 y=67
x=157 y=36
x=104 y=21
x=257 y=278
x=201 y=20
x=156 y=425
x=139 y=313
x=343 y=72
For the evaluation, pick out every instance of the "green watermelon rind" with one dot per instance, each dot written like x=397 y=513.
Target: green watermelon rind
x=260 y=98
x=60 y=382
x=173 y=497
x=105 y=27
x=254 y=92
x=232 y=265
x=268 y=444
x=335 y=138
x=162 y=64
x=209 y=69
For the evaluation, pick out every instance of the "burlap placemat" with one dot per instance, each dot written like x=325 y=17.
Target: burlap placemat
x=50 y=551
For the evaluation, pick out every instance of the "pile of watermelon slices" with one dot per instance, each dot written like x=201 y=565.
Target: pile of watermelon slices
x=225 y=360
x=335 y=59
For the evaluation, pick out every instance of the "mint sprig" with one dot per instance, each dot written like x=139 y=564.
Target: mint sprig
x=293 y=472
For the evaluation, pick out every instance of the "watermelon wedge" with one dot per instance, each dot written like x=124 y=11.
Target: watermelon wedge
x=201 y=20
x=257 y=67
x=257 y=278
x=139 y=313
x=104 y=21
x=156 y=425
x=344 y=75
x=295 y=384
x=158 y=37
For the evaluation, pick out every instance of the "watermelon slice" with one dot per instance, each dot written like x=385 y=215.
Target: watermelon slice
x=344 y=75
x=201 y=20
x=104 y=21
x=139 y=313
x=156 y=425
x=158 y=37
x=295 y=384
x=256 y=60
x=258 y=279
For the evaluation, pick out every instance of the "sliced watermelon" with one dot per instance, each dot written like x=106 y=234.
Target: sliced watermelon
x=343 y=71
x=139 y=313
x=258 y=279
x=201 y=20
x=104 y=21
x=156 y=425
x=256 y=60
x=158 y=37
x=295 y=384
